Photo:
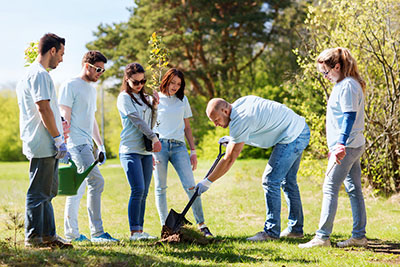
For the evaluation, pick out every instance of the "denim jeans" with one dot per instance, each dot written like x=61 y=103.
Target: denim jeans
x=43 y=186
x=175 y=152
x=281 y=171
x=83 y=157
x=138 y=169
x=349 y=173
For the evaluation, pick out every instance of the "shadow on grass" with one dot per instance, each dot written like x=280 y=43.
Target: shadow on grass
x=78 y=256
x=382 y=246
x=223 y=250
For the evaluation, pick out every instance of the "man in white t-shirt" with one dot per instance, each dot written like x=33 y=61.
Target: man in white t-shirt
x=264 y=123
x=78 y=106
x=41 y=133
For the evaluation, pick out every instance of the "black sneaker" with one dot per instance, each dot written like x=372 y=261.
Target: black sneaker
x=206 y=232
x=59 y=243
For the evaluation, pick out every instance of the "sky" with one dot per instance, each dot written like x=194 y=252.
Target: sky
x=23 y=21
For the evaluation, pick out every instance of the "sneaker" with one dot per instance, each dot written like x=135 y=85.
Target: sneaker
x=147 y=236
x=59 y=242
x=141 y=236
x=316 y=242
x=81 y=238
x=287 y=234
x=261 y=236
x=353 y=242
x=206 y=232
x=105 y=237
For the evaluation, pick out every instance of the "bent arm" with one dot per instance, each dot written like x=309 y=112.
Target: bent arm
x=347 y=125
x=141 y=125
x=232 y=153
x=47 y=117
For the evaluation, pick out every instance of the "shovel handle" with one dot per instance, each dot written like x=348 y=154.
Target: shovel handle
x=195 y=195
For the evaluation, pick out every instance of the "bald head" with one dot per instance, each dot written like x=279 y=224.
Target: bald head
x=219 y=111
x=216 y=104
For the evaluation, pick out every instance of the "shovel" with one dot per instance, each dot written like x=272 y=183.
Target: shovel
x=176 y=220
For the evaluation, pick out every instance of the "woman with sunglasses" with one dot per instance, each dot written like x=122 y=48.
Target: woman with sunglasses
x=136 y=109
x=173 y=126
x=346 y=142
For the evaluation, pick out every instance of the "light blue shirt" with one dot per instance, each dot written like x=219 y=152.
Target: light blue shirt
x=36 y=86
x=80 y=96
x=346 y=96
x=263 y=123
x=170 y=117
x=131 y=136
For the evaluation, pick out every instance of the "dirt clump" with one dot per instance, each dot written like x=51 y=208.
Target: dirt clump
x=185 y=234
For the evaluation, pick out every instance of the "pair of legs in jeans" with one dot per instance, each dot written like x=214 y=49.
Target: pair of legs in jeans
x=281 y=171
x=138 y=169
x=82 y=155
x=349 y=173
x=175 y=152
x=39 y=215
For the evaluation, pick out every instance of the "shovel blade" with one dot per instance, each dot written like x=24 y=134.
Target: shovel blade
x=175 y=220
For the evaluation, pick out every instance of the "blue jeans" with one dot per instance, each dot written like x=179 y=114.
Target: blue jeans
x=349 y=173
x=43 y=186
x=175 y=152
x=83 y=157
x=281 y=171
x=138 y=169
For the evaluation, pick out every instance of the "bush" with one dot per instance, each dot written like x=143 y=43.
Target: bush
x=10 y=143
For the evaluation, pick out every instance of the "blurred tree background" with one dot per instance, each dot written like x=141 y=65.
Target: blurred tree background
x=229 y=49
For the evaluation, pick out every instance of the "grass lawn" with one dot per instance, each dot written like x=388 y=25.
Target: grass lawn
x=234 y=209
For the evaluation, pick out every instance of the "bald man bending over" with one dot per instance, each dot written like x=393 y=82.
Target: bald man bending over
x=264 y=123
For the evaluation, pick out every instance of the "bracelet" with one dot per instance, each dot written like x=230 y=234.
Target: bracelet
x=193 y=152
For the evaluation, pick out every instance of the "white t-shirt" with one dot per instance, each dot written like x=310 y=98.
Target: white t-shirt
x=80 y=96
x=263 y=123
x=131 y=136
x=36 y=85
x=171 y=112
x=346 y=96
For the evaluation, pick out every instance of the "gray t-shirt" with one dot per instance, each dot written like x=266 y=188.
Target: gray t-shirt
x=263 y=123
x=36 y=86
x=80 y=96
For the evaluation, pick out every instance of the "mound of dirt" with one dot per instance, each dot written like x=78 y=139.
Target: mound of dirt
x=185 y=234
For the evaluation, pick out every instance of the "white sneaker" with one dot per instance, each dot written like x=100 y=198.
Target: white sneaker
x=316 y=242
x=287 y=234
x=261 y=236
x=353 y=242
x=147 y=236
x=137 y=236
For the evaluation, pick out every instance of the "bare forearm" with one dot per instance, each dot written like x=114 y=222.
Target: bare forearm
x=47 y=117
x=96 y=134
x=223 y=167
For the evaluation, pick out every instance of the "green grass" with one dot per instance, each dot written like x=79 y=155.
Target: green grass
x=234 y=209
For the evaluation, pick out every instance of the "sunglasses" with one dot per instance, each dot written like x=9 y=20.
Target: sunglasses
x=325 y=73
x=136 y=83
x=98 y=69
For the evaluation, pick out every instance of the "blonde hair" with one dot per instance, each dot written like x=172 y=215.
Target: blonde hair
x=348 y=65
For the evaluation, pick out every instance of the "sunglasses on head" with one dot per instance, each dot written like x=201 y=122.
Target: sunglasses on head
x=136 y=83
x=98 y=69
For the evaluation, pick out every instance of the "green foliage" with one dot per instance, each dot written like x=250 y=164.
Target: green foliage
x=225 y=48
x=112 y=125
x=370 y=29
x=31 y=53
x=10 y=144
x=158 y=60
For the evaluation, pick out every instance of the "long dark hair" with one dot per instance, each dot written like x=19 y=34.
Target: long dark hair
x=131 y=69
x=166 y=80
